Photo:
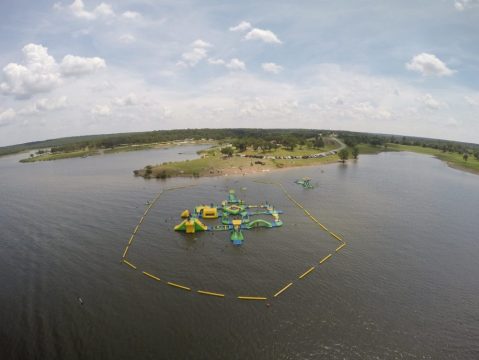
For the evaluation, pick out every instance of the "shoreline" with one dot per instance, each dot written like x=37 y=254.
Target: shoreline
x=214 y=163
x=108 y=151
x=266 y=170
x=271 y=167
x=248 y=171
x=459 y=167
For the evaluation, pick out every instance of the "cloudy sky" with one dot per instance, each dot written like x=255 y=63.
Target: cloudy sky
x=86 y=67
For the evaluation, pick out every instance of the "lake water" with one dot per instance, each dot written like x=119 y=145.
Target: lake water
x=405 y=287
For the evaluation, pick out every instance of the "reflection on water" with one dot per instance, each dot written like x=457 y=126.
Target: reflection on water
x=404 y=287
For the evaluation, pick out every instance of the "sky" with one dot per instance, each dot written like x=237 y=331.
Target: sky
x=78 y=67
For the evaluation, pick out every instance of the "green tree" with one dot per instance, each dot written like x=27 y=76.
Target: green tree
x=240 y=145
x=465 y=156
x=289 y=142
x=227 y=151
x=148 y=170
x=355 y=152
x=318 y=142
x=255 y=143
x=476 y=155
x=343 y=154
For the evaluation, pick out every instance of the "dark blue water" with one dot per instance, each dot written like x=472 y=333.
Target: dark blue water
x=405 y=287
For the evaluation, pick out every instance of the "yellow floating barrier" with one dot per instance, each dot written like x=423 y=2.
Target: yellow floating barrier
x=340 y=247
x=152 y=276
x=283 y=289
x=210 y=293
x=335 y=236
x=178 y=286
x=131 y=239
x=307 y=272
x=136 y=229
x=252 y=298
x=129 y=264
x=141 y=220
x=126 y=250
x=325 y=258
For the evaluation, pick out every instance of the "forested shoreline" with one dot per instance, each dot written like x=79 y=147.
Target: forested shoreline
x=242 y=138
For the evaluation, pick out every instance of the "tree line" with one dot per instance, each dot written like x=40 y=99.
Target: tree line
x=265 y=139
x=354 y=138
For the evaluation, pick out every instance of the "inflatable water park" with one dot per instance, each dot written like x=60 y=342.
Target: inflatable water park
x=305 y=183
x=235 y=216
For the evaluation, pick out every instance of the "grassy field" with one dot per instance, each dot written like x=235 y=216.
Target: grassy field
x=369 y=149
x=298 y=151
x=133 y=148
x=66 y=155
x=453 y=159
x=116 y=149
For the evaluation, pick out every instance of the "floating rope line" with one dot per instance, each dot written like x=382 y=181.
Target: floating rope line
x=210 y=293
x=283 y=290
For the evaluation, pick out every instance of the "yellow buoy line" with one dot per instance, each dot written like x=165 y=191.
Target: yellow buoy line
x=216 y=294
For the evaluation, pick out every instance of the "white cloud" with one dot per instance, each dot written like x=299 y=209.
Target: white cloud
x=101 y=110
x=213 y=61
x=77 y=8
x=6 y=116
x=452 y=122
x=367 y=110
x=255 y=33
x=43 y=105
x=103 y=11
x=201 y=44
x=194 y=56
x=429 y=65
x=264 y=35
x=236 y=64
x=461 y=5
x=39 y=74
x=272 y=68
x=242 y=26
x=472 y=100
x=127 y=39
x=131 y=15
x=77 y=65
x=430 y=102
x=130 y=100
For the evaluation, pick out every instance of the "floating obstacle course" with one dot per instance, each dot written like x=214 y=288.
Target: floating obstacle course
x=235 y=216
x=191 y=225
x=305 y=183
x=203 y=292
